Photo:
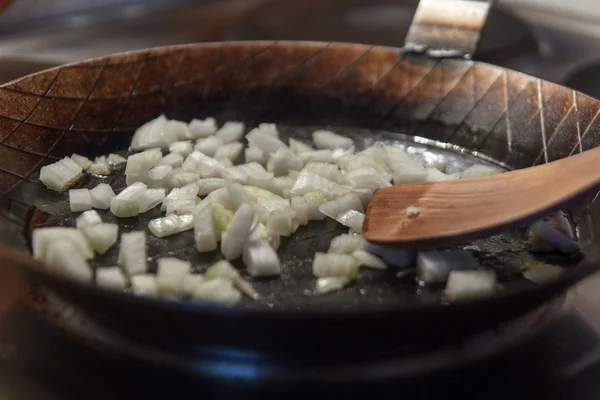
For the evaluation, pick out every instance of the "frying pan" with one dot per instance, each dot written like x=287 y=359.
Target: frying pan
x=430 y=89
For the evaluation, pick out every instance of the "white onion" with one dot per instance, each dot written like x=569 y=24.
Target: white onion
x=159 y=176
x=209 y=145
x=111 y=278
x=125 y=204
x=170 y=275
x=329 y=140
x=60 y=175
x=204 y=165
x=43 y=237
x=217 y=291
x=177 y=130
x=280 y=222
x=282 y=186
x=260 y=259
x=99 y=169
x=82 y=161
x=204 y=231
x=468 y=285
x=254 y=154
x=322 y=156
x=171 y=224
x=231 y=131
x=298 y=147
x=308 y=182
x=183 y=147
x=329 y=171
x=221 y=219
x=314 y=201
x=236 y=193
x=300 y=206
x=369 y=260
x=80 y=200
x=232 y=241
x=342 y=204
x=235 y=174
x=352 y=219
x=230 y=151
x=139 y=164
x=199 y=128
x=405 y=169
x=190 y=281
x=152 y=134
x=263 y=180
x=187 y=192
x=184 y=178
x=172 y=159
x=208 y=185
x=269 y=128
x=362 y=160
x=150 y=199
x=266 y=142
x=115 y=160
x=345 y=244
x=365 y=195
x=101 y=236
x=327 y=264
x=101 y=196
x=88 y=218
x=132 y=253
x=366 y=177
x=478 y=170
x=183 y=207
x=144 y=285
x=282 y=161
x=224 y=270
x=63 y=257
x=331 y=284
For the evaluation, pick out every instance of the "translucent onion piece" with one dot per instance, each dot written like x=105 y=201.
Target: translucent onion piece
x=329 y=140
x=187 y=192
x=322 y=156
x=217 y=291
x=224 y=270
x=300 y=206
x=153 y=134
x=329 y=171
x=101 y=196
x=314 y=201
x=405 y=169
x=183 y=147
x=43 y=237
x=331 y=284
x=82 y=161
x=125 y=204
x=144 y=285
x=182 y=207
x=232 y=242
x=345 y=244
x=111 y=278
x=88 y=218
x=115 y=160
x=254 y=154
x=208 y=185
x=347 y=202
x=181 y=179
x=221 y=219
x=177 y=129
x=171 y=224
x=308 y=182
x=478 y=170
x=369 y=260
x=266 y=142
x=170 y=275
x=366 y=177
x=327 y=264
x=132 y=253
x=101 y=236
x=231 y=131
x=204 y=165
x=80 y=200
x=199 y=128
x=204 y=231
x=269 y=128
x=280 y=222
x=236 y=193
x=263 y=180
x=298 y=147
x=139 y=164
x=190 y=281
x=63 y=258
x=159 y=176
x=60 y=175
x=352 y=219
x=150 y=199
x=172 y=159
x=469 y=285
x=260 y=259
x=282 y=161
x=230 y=151
x=209 y=145
x=99 y=169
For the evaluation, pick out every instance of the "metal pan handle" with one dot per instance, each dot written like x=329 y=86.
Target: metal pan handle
x=447 y=28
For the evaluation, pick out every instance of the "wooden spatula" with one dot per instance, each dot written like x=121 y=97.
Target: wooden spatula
x=452 y=212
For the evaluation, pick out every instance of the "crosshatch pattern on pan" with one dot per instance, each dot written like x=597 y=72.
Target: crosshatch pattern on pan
x=516 y=119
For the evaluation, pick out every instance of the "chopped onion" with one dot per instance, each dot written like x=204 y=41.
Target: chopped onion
x=183 y=147
x=204 y=231
x=139 y=164
x=150 y=199
x=280 y=222
x=365 y=195
x=208 y=185
x=144 y=285
x=125 y=204
x=183 y=207
x=469 y=285
x=300 y=206
x=282 y=161
x=230 y=151
x=80 y=200
x=204 y=165
x=152 y=134
x=60 y=175
x=405 y=169
x=63 y=257
x=209 y=145
x=314 y=201
x=232 y=241
x=327 y=264
x=329 y=140
x=221 y=219
x=171 y=224
x=369 y=260
x=263 y=180
x=41 y=239
x=190 y=281
x=331 y=284
x=231 y=131
x=172 y=159
x=236 y=193
x=115 y=160
x=224 y=270
x=329 y=171
x=269 y=128
x=366 y=177
x=260 y=259
x=342 y=204
x=478 y=170
x=101 y=236
x=435 y=175
x=298 y=147
x=170 y=275
x=254 y=154
x=111 y=278
x=362 y=160
x=322 y=156
x=159 y=176
x=282 y=186
x=82 y=161
x=182 y=179
x=101 y=196
x=266 y=142
x=177 y=195
x=199 y=128
x=88 y=218
x=352 y=219
x=177 y=130
x=308 y=182
x=235 y=174
x=132 y=253
x=345 y=244
x=99 y=169
x=218 y=291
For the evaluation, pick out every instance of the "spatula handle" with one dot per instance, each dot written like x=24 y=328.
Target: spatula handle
x=447 y=28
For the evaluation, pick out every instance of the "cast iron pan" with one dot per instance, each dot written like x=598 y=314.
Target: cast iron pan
x=429 y=89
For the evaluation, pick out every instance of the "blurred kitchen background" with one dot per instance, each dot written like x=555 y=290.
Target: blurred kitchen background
x=554 y=39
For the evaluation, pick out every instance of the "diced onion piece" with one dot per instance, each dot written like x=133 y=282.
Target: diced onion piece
x=308 y=182
x=329 y=171
x=345 y=244
x=235 y=174
x=435 y=266
x=101 y=196
x=60 y=175
x=224 y=270
x=182 y=207
x=269 y=128
x=435 y=175
x=236 y=193
x=132 y=253
x=183 y=147
x=208 y=185
x=405 y=169
x=115 y=160
x=282 y=161
x=144 y=285
x=217 y=291
x=347 y=202
x=230 y=151
x=172 y=159
x=80 y=200
x=111 y=278
x=181 y=179
x=327 y=264
x=63 y=258
x=171 y=224
x=298 y=147
x=100 y=160
x=329 y=140
x=260 y=259
x=99 y=169
x=254 y=154
x=366 y=177
x=300 y=206
x=199 y=128
x=331 y=284
x=139 y=164
x=282 y=186
x=293 y=174
x=478 y=170
x=204 y=165
x=352 y=219
x=469 y=285
x=101 y=236
x=221 y=219
x=322 y=156
x=231 y=131
x=177 y=195
x=153 y=134
x=82 y=161
x=177 y=130
x=280 y=223
x=159 y=176
x=150 y=199
x=190 y=281
x=365 y=195
x=125 y=204
x=369 y=260
x=314 y=201
x=43 y=237
x=88 y=218
x=232 y=241
x=266 y=142
x=204 y=231
x=170 y=275
x=263 y=180
x=546 y=238
x=362 y=160
x=209 y=145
